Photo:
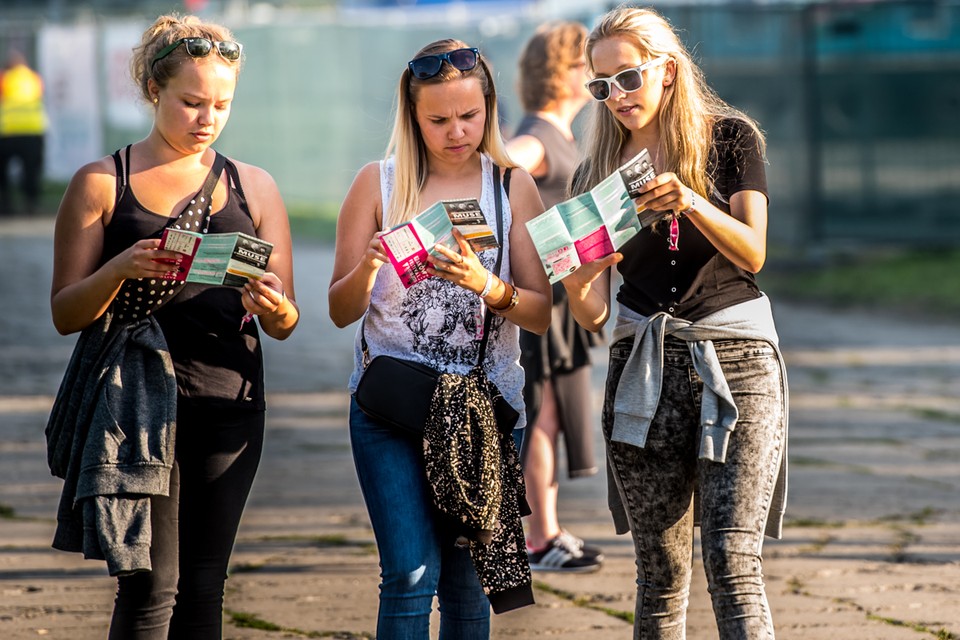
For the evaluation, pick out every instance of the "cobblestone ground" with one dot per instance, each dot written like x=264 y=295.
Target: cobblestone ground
x=871 y=549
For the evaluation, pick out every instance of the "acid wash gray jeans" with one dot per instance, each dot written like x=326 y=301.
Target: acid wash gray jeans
x=657 y=484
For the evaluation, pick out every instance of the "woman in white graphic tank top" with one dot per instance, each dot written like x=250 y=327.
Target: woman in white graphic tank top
x=445 y=145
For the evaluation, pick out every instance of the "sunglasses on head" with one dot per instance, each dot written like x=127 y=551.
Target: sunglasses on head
x=201 y=48
x=628 y=80
x=428 y=66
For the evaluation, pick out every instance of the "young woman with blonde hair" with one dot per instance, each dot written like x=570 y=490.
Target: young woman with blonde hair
x=696 y=390
x=445 y=144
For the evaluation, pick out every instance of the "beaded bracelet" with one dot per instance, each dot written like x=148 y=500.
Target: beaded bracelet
x=487 y=286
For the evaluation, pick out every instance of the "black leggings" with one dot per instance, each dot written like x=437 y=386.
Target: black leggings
x=217 y=455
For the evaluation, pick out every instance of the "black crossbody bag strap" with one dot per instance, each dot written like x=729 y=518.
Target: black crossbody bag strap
x=498 y=199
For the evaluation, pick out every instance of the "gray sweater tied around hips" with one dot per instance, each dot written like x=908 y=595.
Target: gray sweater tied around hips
x=643 y=372
x=110 y=436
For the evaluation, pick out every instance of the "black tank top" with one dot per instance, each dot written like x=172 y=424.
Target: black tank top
x=215 y=360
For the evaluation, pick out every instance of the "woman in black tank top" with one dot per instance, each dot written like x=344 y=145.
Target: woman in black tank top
x=112 y=279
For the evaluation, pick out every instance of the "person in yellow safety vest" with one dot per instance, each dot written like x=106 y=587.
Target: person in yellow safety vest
x=23 y=123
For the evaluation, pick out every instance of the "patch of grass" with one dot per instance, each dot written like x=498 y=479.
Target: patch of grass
x=921 y=280
x=7 y=512
x=796 y=587
x=935 y=414
x=324 y=541
x=813 y=523
x=919 y=517
x=920 y=627
x=250 y=621
x=582 y=601
x=818 y=545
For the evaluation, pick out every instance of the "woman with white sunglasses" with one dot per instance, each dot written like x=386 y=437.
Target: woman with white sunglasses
x=177 y=434
x=695 y=409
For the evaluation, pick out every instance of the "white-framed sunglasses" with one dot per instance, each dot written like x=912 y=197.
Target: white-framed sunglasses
x=628 y=80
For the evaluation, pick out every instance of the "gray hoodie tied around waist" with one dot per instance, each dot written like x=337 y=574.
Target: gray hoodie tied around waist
x=635 y=408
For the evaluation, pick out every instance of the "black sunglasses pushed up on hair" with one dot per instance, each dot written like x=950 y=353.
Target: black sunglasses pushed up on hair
x=201 y=48
x=428 y=66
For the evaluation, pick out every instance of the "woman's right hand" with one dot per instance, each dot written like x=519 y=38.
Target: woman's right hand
x=375 y=256
x=145 y=259
x=588 y=291
x=579 y=283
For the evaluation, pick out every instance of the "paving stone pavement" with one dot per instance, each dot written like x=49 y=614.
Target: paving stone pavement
x=871 y=549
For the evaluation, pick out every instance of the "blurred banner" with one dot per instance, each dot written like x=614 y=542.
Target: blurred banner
x=124 y=108
x=67 y=59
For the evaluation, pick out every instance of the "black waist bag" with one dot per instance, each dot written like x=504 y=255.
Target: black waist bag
x=397 y=392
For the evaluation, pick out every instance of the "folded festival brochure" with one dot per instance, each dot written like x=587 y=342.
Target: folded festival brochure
x=594 y=224
x=408 y=244
x=217 y=258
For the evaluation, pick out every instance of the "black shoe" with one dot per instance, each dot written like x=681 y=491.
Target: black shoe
x=588 y=550
x=563 y=554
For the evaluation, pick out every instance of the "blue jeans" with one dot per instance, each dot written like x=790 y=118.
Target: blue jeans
x=658 y=481
x=418 y=556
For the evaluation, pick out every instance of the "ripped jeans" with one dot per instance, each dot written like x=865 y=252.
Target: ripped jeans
x=657 y=485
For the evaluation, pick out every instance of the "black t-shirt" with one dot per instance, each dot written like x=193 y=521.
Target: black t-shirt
x=697 y=280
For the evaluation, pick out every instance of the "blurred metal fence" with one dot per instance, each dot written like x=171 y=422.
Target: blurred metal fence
x=860 y=102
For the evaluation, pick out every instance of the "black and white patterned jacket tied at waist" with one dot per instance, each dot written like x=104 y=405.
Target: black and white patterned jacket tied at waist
x=477 y=483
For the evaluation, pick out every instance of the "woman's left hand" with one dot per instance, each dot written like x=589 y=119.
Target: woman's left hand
x=462 y=269
x=665 y=192
x=263 y=296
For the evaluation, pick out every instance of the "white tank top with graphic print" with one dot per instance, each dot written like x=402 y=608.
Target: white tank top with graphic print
x=436 y=322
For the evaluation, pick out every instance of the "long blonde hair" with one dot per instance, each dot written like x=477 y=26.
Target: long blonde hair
x=406 y=143
x=688 y=113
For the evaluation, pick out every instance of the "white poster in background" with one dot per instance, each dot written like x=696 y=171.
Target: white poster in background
x=68 y=65
x=124 y=109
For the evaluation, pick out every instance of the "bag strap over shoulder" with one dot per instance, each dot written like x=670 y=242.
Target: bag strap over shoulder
x=199 y=206
x=498 y=200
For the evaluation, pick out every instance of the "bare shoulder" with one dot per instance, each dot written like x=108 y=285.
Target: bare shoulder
x=525 y=199
x=365 y=190
x=253 y=177
x=369 y=175
x=526 y=150
x=521 y=178
x=99 y=171
x=92 y=189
